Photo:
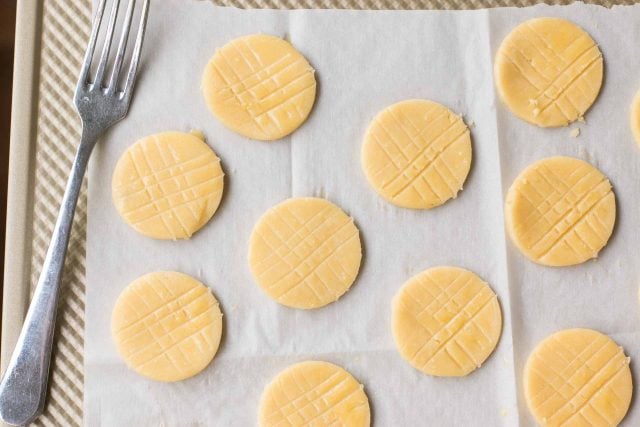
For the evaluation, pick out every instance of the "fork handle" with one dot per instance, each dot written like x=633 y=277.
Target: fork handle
x=24 y=385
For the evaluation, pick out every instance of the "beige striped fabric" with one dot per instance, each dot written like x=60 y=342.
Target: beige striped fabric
x=64 y=32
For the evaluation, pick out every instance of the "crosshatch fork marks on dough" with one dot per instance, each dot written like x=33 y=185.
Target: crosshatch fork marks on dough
x=166 y=325
x=259 y=86
x=561 y=211
x=446 y=321
x=305 y=252
x=417 y=154
x=168 y=185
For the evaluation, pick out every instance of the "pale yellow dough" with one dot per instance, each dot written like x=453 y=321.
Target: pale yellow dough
x=259 y=86
x=314 y=394
x=166 y=326
x=548 y=71
x=635 y=118
x=417 y=154
x=446 y=321
x=560 y=211
x=168 y=185
x=305 y=252
x=578 y=377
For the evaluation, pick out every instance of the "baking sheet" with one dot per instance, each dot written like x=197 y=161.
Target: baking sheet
x=364 y=61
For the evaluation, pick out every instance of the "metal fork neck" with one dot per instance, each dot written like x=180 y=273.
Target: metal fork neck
x=91 y=132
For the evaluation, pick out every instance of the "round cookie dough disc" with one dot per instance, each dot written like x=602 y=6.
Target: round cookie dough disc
x=259 y=86
x=168 y=185
x=578 y=377
x=548 y=71
x=305 y=252
x=560 y=211
x=446 y=321
x=314 y=394
x=635 y=117
x=417 y=154
x=166 y=326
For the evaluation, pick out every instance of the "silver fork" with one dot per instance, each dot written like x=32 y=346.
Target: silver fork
x=100 y=104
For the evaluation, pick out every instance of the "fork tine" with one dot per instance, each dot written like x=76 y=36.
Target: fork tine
x=86 y=64
x=122 y=47
x=107 y=45
x=133 y=68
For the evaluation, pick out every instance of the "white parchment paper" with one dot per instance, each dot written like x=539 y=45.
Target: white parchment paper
x=365 y=60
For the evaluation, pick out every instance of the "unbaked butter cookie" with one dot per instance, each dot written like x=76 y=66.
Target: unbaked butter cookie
x=548 y=71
